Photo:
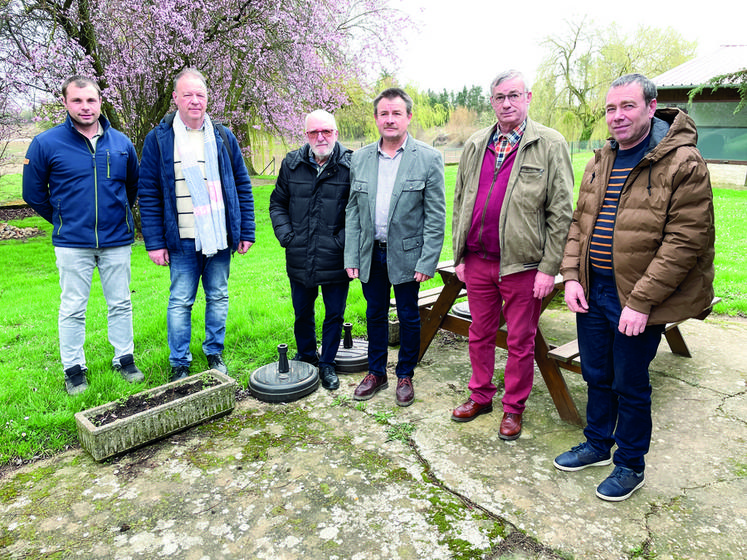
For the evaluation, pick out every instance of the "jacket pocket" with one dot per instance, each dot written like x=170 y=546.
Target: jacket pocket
x=531 y=171
x=414 y=185
x=287 y=240
x=359 y=187
x=531 y=186
x=412 y=243
x=59 y=217
x=116 y=165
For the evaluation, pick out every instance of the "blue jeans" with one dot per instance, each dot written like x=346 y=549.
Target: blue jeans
x=615 y=368
x=186 y=270
x=377 y=293
x=76 y=272
x=304 y=327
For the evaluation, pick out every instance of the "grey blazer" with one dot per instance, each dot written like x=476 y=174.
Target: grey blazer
x=417 y=213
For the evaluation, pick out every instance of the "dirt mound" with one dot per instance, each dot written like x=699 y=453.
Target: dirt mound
x=15 y=213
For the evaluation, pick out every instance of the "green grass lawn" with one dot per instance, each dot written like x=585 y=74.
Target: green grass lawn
x=10 y=189
x=731 y=238
x=38 y=414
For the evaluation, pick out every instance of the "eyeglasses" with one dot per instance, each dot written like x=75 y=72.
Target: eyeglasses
x=313 y=134
x=512 y=97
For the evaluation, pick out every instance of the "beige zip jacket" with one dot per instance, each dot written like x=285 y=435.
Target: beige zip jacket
x=538 y=205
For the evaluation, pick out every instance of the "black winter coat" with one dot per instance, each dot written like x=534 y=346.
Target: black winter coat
x=308 y=216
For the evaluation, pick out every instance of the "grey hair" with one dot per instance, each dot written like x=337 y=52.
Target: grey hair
x=323 y=115
x=648 y=87
x=192 y=72
x=507 y=75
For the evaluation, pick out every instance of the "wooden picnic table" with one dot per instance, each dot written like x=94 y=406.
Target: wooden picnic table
x=435 y=314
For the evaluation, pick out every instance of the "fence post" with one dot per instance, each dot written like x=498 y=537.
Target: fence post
x=272 y=163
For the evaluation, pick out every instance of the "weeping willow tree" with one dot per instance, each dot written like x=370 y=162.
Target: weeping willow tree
x=573 y=78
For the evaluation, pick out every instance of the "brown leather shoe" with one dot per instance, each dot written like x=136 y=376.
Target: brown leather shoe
x=370 y=385
x=470 y=410
x=510 y=426
x=405 y=392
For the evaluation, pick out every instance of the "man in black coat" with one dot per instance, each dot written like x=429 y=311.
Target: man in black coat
x=307 y=209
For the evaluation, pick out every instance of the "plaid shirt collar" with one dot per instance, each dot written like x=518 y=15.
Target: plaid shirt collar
x=504 y=143
x=512 y=137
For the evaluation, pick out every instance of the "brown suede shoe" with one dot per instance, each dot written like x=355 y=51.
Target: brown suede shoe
x=370 y=385
x=510 y=426
x=405 y=392
x=470 y=410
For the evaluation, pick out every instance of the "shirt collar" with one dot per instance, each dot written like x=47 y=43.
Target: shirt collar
x=318 y=166
x=202 y=126
x=513 y=136
x=399 y=150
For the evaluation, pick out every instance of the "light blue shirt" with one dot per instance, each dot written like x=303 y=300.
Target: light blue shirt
x=388 y=167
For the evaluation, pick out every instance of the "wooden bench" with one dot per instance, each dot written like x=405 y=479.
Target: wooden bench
x=426 y=300
x=567 y=356
x=439 y=316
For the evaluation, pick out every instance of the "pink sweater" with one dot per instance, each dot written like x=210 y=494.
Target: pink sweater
x=484 y=233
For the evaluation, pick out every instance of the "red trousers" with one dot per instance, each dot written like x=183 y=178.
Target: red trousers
x=488 y=295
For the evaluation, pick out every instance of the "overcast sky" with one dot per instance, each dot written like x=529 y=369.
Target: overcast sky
x=467 y=42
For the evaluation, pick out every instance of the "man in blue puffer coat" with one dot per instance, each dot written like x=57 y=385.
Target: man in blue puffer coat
x=81 y=176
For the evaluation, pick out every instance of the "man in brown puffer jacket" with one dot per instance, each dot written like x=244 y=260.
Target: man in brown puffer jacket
x=639 y=255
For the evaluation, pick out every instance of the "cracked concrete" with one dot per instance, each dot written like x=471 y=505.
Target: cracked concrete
x=328 y=478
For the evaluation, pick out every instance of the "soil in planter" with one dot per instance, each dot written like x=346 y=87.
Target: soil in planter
x=139 y=403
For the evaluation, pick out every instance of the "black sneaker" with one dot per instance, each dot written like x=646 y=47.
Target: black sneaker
x=179 y=372
x=215 y=361
x=128 y=370
x=75 y=380
x=329 y=378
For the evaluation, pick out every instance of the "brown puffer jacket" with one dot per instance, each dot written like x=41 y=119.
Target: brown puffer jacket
x=663 y=244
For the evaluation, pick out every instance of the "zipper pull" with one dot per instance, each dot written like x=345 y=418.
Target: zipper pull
x=108 y=168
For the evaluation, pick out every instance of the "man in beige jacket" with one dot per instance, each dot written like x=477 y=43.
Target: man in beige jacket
x=512 y=209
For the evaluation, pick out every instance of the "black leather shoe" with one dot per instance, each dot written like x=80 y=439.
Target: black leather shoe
x=329 y=378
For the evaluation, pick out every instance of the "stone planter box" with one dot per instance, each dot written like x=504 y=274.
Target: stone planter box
x=131 y=432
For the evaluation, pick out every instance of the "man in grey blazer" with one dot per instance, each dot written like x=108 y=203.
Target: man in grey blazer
x=394 y=231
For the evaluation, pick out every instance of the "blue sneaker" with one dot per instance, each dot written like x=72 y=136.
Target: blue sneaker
x=580 y=457
x=620 y=484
